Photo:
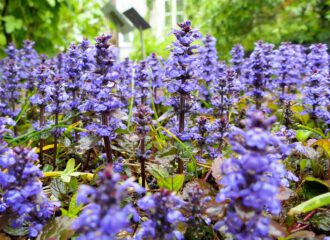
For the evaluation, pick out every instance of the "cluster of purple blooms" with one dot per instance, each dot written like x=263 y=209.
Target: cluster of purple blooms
x=106 y=213
x=287 y=71
x=252 y=179
x=209 y=63
x=317 y=83
x=257 y=71
x=22 y=199
x=183 y=68
x=163 y=216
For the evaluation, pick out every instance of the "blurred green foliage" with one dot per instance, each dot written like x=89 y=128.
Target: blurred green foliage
x=52 y=24
x=246 y=21
x=151 y=44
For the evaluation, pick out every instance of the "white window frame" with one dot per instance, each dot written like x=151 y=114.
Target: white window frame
x=173 y=12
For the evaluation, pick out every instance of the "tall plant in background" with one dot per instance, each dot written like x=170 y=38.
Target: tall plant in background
x=237 y=58
x=183 y=67
x=43 y=76
x=58 y=104
x=287 y=72
x=314 y=97
x=226 y=91
x=143 y=120
x=100 y=85
x=316 y=100
x=28 y=59
x=141 y=83
x=209 y=60
x=318 y=59
x=257 y=72
x=157 y=75
x=74 y=67
x=125 y=80
x=11 y=87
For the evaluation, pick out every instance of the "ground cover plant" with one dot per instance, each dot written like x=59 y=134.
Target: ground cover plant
x=188 y=147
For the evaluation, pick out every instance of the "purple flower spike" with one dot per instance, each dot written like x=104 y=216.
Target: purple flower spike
x=252 y=179
x=163 y=216
x=106 y=214
x=23 y=198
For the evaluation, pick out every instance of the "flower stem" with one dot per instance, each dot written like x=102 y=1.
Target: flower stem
x=55 y=140
x=106 y=139
x=41 y=124
x=142 y=161
x=75 y=119
x=181 y=128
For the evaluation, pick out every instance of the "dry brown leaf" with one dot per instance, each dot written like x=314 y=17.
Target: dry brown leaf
x=216 y=168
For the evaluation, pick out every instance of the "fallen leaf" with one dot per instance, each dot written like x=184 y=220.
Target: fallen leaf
x=216 y=168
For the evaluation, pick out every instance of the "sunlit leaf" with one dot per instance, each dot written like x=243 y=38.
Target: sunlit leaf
x=303 y=135
x=311 y=204
x=324 y=144
x=300 y=235
x=173 y=183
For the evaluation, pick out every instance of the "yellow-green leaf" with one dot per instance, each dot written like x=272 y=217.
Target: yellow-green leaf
x=173 y=183
x=311 y=204
x=324 y=144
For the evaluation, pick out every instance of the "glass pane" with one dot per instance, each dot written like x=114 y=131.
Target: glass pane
x=167 y=6
x=179 y=18
x=168 y=20
x=126 y=37
x=179 y=5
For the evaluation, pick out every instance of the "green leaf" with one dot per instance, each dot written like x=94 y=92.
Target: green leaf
x=173 y=183
x=74 y=209
x=303 y=118
x=166 y=155
x=186 y=148
x=303 y=135
x=300 y=235
x=311 y=153
x=316 y=131
x=58 y=188
x=73 y=184
x=59 y=228
x=47 y=168
x=22 y=231
x=324 y=144
x=303 y=164
x=66 y=175
x=157 y=171
x=2 y=39
x=12 y=23
x=321 y=221
x=312 y=187
x=86 y=143
x=191 y=167
x=313 y=179
x=311 y=204
x=66 y=142
x=52 y=3
x=70 y=165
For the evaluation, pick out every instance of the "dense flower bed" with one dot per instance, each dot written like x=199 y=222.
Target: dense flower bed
x=189 y=147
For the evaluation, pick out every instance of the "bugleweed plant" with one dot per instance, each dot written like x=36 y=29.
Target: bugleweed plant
x=188 y=147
